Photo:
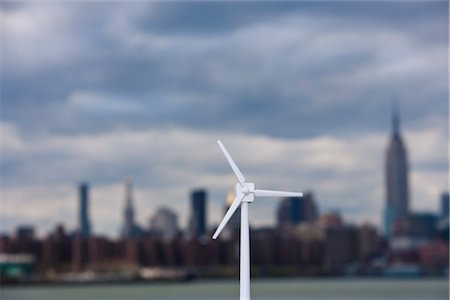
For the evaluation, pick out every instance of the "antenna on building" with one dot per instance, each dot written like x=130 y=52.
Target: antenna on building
x=395 y=117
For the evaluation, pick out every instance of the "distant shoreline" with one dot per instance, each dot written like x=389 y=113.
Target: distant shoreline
x=216 y=279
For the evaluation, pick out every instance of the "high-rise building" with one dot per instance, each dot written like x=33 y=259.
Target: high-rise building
x=369 y=242
x=80 y=252
x=25 y=232
x=309 y=211
x=396 y=172
x=85 y=225
x=294 y=210
x=198 y=212
x=330 y=219
x=444 y=205
x=341 y=247
x=417 y=225
x=130 y=229
x=164 y=223
x=283 y=214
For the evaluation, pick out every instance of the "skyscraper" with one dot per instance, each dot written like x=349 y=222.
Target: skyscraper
x=445 y=205
x=397 y=197
x=25 y=232
x=288 y=212
x=198 y=212
x=165 y=223
x=294 y=210
x=85 y=225
x=130 y=229
x=309 y=211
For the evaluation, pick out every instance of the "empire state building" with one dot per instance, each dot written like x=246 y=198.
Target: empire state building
x=397 y=196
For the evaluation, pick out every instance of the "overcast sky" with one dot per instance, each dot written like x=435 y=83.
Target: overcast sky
x=300 y=93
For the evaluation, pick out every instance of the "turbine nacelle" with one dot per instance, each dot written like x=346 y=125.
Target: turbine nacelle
x=248 y=190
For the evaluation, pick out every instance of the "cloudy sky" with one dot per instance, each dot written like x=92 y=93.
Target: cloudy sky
x=300 y=93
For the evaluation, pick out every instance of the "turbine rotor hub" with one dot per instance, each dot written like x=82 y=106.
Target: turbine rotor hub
x=246 y=190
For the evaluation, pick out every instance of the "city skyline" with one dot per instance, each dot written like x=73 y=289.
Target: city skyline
x=101 y=93
x=125 y=210
x=324 y=243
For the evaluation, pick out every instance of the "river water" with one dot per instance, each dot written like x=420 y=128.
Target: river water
x=263 y=289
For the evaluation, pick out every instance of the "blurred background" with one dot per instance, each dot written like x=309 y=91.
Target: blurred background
x=110 y=171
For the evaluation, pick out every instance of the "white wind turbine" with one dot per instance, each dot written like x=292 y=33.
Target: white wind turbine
x=245 y=194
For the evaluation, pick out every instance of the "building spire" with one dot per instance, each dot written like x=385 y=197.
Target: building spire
x=129 y=191
x=130 y=230
x=395 y=118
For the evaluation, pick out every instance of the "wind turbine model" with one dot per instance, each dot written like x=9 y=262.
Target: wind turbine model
x=245 y=194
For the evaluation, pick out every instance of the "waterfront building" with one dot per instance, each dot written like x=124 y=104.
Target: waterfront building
x=434 y=255
x=80 y=253
x=421 y=226
x=56 y=249
x=369 y=243
x=341 y=247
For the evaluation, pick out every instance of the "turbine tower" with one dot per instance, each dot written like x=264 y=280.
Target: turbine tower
x=245 y=194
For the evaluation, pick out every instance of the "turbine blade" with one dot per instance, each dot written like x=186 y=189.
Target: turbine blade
x=233 y=165
x=228 y=215
x=268 y=193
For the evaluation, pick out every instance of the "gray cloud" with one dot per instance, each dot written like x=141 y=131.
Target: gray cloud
x=274 y=75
